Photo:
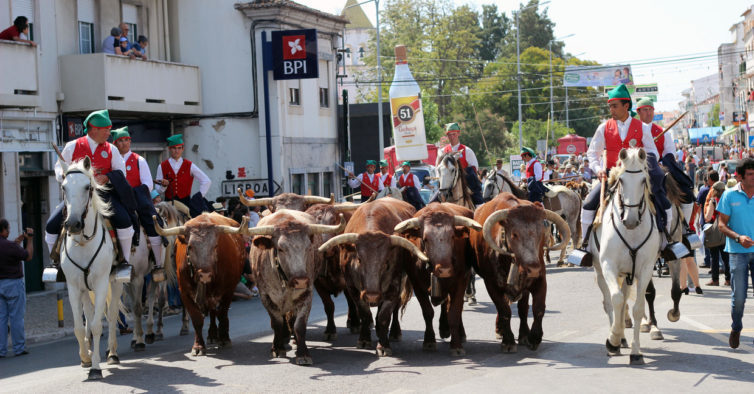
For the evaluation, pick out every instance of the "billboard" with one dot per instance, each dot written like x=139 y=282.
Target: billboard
x=639 y=91
x=294 y=54
x=598 y=75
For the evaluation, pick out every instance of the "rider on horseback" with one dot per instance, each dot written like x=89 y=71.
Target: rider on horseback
x=369 y=181
x=468 y=161
x=619 y=132
x=175 y=177
x=534 y=183
x=108 y=166
x=140 y=179
x=385 y=176
x=412 y=184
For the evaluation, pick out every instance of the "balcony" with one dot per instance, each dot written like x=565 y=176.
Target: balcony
x=19 y=85
x=96 y=81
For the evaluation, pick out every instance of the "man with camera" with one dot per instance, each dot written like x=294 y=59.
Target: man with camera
x=12 y=288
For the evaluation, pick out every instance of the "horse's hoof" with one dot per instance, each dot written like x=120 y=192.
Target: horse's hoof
x=396 y=338
x=637 y=359
x=523 y=340
x=457 y=352
x=113 y=360
x=140 y=347
x=198 y=351
x=429 y=346
x=533 y=345
x=674 y=315
x=184 y=331
x=149 y=339
x=304 y=360
x=624 y=343
x=629 y=323
x=384 y=351
x=94 y=374
x=472 y=301
x=86 y=364
x=225 y=344
x=159 y=336
x=331 y=336
x=133 y=343
x=363 y=344
x=645 y=327
x=612 y=350
x=656 y=335
x=355 y=329
x=509 y=348
x=277 y=353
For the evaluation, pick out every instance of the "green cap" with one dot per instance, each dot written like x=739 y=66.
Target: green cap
x=406 y=163
x=383 y=163
x=120 y=133
x=530 y=151
x=620 y=92
x=99 y=118
x=372 y=162
x=175 y=140
x=452 y=127
x=644 y=102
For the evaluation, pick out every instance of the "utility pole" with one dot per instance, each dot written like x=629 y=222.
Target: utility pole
x=552 y=110
x=518 y=71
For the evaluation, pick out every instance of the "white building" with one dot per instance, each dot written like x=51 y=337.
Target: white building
x=204 y=78
x=705 y=93
x=730 y=57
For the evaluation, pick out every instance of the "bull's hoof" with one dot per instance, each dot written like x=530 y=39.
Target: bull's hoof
x=396 y=337
x=86 y=364
x=355 y=329
x=133 y=343
x=139 y=347
x=629 y=323
x=523 y=340
x=198 y=351
x=149 y=339
x=225 y=343
x=306 y=360
x=159 y=336
x=612 y=350
x=277 y=353
x=637 y=359
x=184 y=331
x=624 y=343
x=457 y=352
x=472 y=301
x=674 y=315
x=533 y=345
x=363 y=343
x=444 y=333
x=644 y=327
x=509 y=348
x=331 y=336
x=498 y=336
x=94 y=374
x=384 y=351
x=656 y=334
x=113 y=360
x=429 y=346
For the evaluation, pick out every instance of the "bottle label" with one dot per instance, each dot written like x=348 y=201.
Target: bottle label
x=408 y=128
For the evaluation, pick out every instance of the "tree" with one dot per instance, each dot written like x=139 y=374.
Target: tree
x=495 y=27
x=534 y=130
x=432 y=127
x=714 y=116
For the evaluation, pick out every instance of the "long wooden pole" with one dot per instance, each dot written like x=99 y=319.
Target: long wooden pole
x=671 y=125
x=603 y=184
x=363 y=183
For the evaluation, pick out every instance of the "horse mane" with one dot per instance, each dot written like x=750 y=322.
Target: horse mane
x=98 y=204
x=517 y=191
x=619 y=169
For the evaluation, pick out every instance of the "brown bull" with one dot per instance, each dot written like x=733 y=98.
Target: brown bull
x=373 y=262
x=284 y=264
x=442 y=230
x=285 y=201
x=510 y=256
x=331 y=281
x=209 y=257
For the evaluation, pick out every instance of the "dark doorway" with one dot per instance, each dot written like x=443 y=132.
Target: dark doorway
x=31 y=216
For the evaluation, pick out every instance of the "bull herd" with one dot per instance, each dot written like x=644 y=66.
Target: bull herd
x=378 y=254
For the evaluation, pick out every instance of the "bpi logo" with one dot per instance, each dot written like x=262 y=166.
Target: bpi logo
x=295 y=54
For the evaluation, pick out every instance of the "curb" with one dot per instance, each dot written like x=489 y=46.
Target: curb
x=49 y=336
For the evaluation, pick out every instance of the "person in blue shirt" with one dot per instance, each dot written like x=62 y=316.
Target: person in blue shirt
x=139 y=48
x=736 y=209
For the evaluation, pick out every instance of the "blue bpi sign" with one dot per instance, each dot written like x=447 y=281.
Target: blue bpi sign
x=294 y=54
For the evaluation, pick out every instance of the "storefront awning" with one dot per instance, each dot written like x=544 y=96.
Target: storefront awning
x=730 y=130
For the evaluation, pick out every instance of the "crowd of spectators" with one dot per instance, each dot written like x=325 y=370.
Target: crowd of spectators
x=117 y=43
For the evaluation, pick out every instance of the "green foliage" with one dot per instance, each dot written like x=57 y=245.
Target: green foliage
x=534 y=129
x=432 y=127
x=714 y=116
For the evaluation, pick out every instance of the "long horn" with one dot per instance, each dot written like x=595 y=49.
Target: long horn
x=319 y=200
x=259 y=230
x=257 y=202
x=235 y=230
x=347 y=238
x=345 y=207
x=167 y=232
x=487 y=229
x=327 y=229
x=406 y=225
x=459 y=220
x=562 y=227
x=406 y=244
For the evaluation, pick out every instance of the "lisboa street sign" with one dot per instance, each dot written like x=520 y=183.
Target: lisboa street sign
x=258 y=185
x=294 y=54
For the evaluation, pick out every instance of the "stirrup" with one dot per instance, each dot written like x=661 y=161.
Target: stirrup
x=158 y=274
x=53 y=274
x=123 y=272
x=580 y=257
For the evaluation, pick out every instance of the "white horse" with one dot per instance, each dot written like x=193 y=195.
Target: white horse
x=87 y=259
x=453 y=188
x=627 y=244
x=389 y=191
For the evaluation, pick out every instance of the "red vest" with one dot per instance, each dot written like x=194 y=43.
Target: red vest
x=101 y=159
x=406 y=180
x=613 y=143
x=132 y=170
x=462 y=151
x=530 y=171
x=375 y=184
x=660 y=142
x=388 y=180
x=180 y=185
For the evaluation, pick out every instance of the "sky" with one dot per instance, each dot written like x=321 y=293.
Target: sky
x=637 y=30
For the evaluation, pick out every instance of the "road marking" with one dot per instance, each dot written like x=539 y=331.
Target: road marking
x=725 y=330
x=715 y=333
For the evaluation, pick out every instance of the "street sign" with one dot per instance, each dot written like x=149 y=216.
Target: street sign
x=516 y=162
x=259 y=186
x=739 y=118
x=657 y=117
x=751 y=141
x=294 y=54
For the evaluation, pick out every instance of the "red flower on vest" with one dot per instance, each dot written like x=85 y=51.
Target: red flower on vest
x=374 y=184
x=102 y=161
x=462 y=151
x=613 y=143
x=180 y=184
x=132 y=170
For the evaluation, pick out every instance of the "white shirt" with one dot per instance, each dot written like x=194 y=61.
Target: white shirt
x=199 y=175
x=597 y=146
x=253 y=218
x=537 y=169
x=469 y=154
x=547 y=175
x=417 y=182
x=116 y=161
x=356 y=182
x=144 y=174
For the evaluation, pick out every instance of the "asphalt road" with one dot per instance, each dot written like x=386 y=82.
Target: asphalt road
x=693 y=357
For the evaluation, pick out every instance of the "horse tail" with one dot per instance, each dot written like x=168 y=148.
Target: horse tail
x=673 y=191
x=406 y=292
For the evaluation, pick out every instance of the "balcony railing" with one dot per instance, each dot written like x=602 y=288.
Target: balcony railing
x=19 y=83
x=98 y=80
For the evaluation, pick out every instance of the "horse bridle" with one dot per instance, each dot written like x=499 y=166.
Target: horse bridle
x=86 y=208
x=622 y=205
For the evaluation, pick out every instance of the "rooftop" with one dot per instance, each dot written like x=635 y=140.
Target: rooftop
x=356 y=17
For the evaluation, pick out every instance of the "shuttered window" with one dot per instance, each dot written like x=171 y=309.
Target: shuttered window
x=85 y=10
x=85 y=16
x=24 y=8
x=131 y=17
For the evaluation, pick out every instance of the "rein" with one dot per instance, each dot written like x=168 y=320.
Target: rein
x=86 y=208
x=448 y=193
x=85 y=270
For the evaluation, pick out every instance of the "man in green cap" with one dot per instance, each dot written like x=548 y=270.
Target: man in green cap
x=385 y=176
x=108 y=168
x=467 y=158
x=533 y=175
x=139 y=177
x=619 y=132
x=410 y=183
x=176 y=175
x=369 y=182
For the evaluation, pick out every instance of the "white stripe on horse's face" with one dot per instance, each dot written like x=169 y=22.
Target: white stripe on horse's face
x=76 y=189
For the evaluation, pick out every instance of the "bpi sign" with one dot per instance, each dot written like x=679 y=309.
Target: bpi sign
x=294 y=54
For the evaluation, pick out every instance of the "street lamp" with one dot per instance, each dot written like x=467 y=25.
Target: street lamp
x=552 y=111
x=518 y=70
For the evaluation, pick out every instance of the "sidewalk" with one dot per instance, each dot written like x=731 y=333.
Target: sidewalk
x=41 y=320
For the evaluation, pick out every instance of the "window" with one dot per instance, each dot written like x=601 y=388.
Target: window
x=297 y=184
x=131 y=18
x=294 y=96
x=327 y=184
x=324 y=98
x=86 y=37
x=132 y=34
x=312 y=184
